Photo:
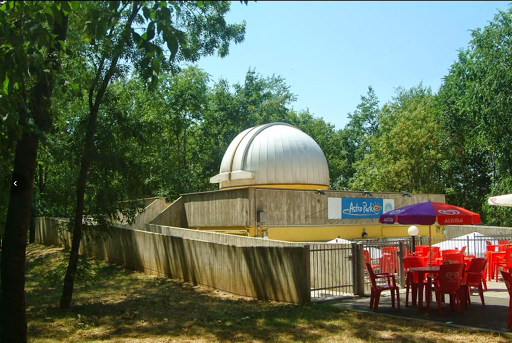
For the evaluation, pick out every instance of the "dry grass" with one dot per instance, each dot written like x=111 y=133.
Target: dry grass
x=117 y=305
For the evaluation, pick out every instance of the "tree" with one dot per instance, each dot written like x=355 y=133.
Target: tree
x=405 y=153
x=190 y=30
x=232 y=109
x=362 y=126
x=475 y=102
x=31 y=48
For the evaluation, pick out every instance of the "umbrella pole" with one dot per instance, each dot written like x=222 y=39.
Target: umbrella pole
x=430 y=243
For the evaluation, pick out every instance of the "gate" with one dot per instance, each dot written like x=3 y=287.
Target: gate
x=385 y=256
x=331 y=270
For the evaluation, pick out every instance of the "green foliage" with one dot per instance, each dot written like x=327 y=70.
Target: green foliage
x=475 y=102
x=169 y=138
x=404 y=154
x=29 y=52
x=362 y=126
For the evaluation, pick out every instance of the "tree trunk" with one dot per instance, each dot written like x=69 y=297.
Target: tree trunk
x=69 y=279
x=94 y=105
x=32 y=226
x=13 y=322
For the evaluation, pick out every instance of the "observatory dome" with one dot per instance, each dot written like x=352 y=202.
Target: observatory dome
x=273 y=155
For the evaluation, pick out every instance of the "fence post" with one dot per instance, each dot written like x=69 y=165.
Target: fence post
x=358 y=268
x=401 y=255
x=307 y=265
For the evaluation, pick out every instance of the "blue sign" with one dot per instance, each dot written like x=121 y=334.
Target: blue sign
x=357 y=208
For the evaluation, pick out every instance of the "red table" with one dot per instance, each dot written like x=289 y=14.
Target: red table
x=421 y=277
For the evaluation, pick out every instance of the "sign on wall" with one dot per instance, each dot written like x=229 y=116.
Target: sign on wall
x=358 y=208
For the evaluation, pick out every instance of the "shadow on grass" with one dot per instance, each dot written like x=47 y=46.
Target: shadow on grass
x=121 y=304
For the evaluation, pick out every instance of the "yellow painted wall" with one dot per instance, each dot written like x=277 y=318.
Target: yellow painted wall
x=326 y=233
x=279 y=185
x=311 y=233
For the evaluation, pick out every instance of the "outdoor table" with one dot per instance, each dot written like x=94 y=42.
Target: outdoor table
x=421 y=277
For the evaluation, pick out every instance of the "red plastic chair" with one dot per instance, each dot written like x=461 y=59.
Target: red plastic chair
x=474 y=276
x=421 y=250
x=491 y=247
x=389 y=260
x=508 y=282
x=412 y=281
x=448 y=281
x=376 y=290
x=503 y=241
x=453 y=258
x=368 y=259
x=506 y=262
x=436 y=253
x=450 y=251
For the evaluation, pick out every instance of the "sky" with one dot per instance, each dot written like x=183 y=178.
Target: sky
x=330 y=52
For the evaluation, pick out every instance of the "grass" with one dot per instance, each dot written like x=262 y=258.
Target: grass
x=113 y=304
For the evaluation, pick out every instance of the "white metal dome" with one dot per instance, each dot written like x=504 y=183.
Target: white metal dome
x=273 y=154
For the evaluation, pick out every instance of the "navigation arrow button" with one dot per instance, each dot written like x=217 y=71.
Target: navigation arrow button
x=19 y=182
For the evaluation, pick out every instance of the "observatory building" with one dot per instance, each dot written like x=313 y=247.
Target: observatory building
x=273 y=155
x=274 y=183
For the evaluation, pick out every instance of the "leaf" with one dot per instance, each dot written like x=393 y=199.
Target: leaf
x=74 y=5
x=155 y=65
x=66 y=8
x=151 y=30
x=145 y=11
x=172 y=45
x=5 y=85
x=136 y=38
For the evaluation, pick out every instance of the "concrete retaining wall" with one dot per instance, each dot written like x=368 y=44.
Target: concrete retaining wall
x=220 y=238
x=154 y=206
x=173 y=215
x=278 y=273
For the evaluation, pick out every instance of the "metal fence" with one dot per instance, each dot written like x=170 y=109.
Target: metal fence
x=385 y=256
x=331 y=270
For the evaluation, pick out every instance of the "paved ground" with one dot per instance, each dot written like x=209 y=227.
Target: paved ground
x=492 y=317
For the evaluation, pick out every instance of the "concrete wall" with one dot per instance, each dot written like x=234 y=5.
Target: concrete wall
x=221 y=238
x=173 y=215
x=274 y=273
x=284 y=207
x=154 y=206
x=218 y=209
x=306 y=207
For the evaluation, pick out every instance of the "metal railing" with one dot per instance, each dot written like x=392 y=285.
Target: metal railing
x=331 y=270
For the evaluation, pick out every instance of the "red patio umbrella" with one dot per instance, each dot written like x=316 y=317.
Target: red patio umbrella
x=428 y=213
